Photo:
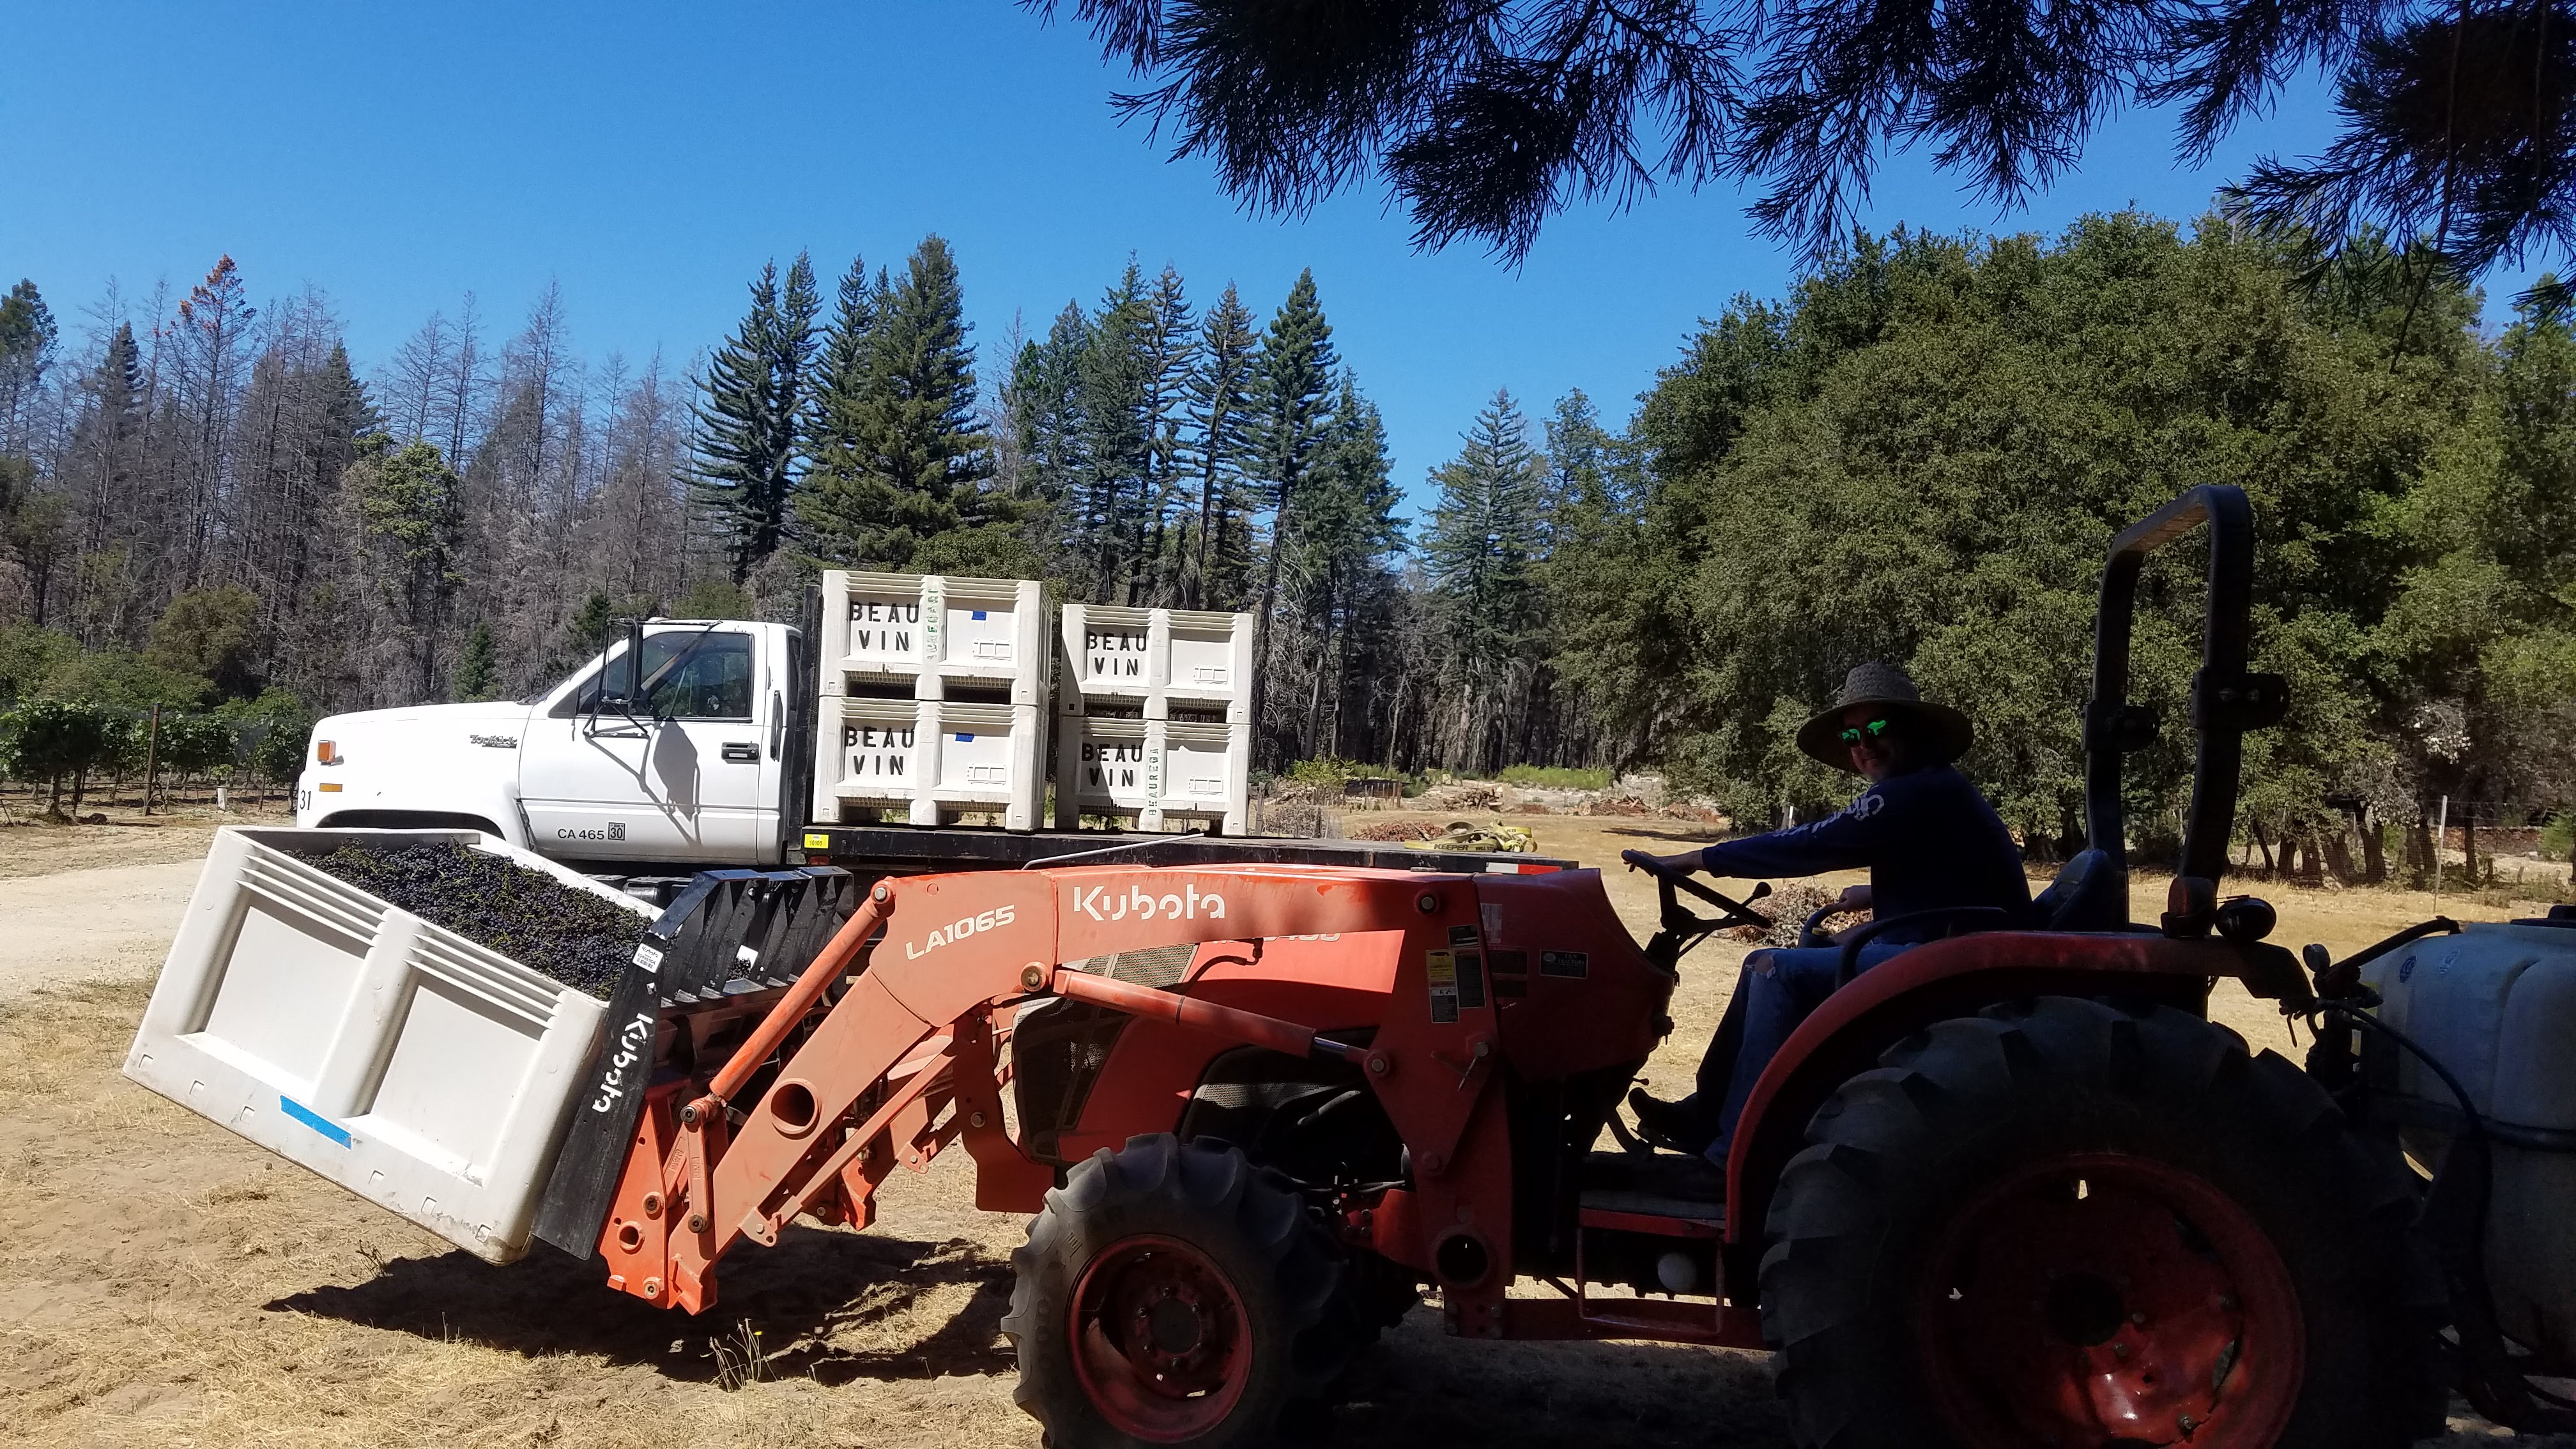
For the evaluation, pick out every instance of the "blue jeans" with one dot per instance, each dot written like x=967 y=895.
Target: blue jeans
x=1777 y=990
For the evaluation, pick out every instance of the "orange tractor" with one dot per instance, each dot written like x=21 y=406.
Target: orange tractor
x=2010 y=1188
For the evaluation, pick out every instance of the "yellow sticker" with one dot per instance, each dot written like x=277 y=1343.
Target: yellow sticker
x=817 y=840
x=1443 y=969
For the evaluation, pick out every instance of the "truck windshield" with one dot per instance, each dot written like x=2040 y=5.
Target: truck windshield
x=712 y=682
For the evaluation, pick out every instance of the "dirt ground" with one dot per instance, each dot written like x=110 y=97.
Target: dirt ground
x=170 y=1285
x=30 y=846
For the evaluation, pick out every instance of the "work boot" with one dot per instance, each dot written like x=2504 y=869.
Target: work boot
x=1676 y=1126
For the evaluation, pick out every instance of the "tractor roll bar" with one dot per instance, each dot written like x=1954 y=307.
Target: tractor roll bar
x=2226 y=701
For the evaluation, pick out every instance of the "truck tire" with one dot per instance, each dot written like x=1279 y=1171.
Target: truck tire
x=1173 y=1293
x=2078 y=1222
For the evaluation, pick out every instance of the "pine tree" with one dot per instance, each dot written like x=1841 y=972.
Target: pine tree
x=1117 y=441
x=1046 y=413
x=478 y=670
x=411 y=516
x=1481 y=551
x=1293 y=379
x=841 y=379
x=910 y=455
x=1344 y=529
x=27 y=333
x=213 y=339
x=1168 y=354
x=749 y=419
x=1219 y=411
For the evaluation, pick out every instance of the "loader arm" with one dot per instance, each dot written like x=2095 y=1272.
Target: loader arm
x=813 y=1111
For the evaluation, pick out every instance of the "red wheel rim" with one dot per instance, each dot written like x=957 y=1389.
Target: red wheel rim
x=1160 y=1340
x=2099 y=1298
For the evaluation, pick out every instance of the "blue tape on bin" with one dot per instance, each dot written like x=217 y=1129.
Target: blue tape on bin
x=314 y=1120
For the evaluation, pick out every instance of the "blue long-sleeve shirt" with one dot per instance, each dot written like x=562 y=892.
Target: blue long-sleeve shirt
x=1927 y=838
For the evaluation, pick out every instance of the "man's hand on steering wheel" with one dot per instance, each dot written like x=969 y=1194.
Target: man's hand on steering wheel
x=1685 y=863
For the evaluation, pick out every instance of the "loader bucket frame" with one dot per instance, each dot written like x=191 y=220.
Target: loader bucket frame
x=812 y=1111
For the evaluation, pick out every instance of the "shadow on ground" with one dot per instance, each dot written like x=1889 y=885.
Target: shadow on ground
x=826 y=1305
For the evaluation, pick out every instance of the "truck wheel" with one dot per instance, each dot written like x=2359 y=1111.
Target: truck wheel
x=1173 y=1293
x=2073 y=1222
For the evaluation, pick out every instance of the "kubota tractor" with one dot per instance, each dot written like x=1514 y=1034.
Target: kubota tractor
x=2011 y=1187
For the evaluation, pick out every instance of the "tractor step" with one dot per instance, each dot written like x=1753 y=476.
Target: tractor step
x=1664 y=1185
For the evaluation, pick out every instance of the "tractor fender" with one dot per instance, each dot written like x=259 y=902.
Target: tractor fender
x=1959 y=977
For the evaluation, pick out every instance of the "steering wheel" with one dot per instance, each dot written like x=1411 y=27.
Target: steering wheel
x=1680 y=928
x=1811 y=932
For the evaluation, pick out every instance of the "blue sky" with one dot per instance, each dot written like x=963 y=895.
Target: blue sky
x=649 y=156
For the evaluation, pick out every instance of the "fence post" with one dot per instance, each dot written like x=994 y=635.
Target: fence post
x=2441 y=841
x=151 y=757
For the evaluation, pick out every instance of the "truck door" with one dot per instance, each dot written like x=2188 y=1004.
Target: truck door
x=682 y=775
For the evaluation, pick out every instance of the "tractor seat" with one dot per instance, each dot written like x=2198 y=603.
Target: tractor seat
x=2087 y=895
x=1666 y=1184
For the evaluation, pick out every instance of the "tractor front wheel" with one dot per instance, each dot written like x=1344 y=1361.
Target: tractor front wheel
x=1173 y=1293
x=2073 y=1222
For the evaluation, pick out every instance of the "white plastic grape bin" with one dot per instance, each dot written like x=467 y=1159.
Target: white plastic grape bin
x=1197 y=661
x=930 y=759
x=928 y=636
x=1156 y=772
x=425 y=1073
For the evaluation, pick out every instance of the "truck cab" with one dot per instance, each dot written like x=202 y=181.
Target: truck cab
x=682 y=760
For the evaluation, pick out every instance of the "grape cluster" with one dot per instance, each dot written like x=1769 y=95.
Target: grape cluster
x=571 y=935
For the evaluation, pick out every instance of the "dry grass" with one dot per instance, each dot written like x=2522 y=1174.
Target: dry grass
x=171 y=1285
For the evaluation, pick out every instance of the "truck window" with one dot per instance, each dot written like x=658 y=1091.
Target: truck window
x=713 y=682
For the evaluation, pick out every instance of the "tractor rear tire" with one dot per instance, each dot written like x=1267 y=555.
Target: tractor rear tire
x=1174 y=1293
x=2076 y=1221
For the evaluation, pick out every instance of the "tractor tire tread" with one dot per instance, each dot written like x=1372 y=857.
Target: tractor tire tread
x=1209 y=1194
x=1876 y=1156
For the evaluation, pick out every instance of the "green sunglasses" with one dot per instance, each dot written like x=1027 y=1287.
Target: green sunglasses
x=1873 y=730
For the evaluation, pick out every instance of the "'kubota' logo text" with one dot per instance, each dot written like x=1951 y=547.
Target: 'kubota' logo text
x=1101 y=904
x=634 y=1041
x=956 y=931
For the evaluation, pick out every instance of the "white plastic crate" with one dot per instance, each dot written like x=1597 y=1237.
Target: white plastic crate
x=1157 y=772
x=931 y=759
x=1193 y=658
x=422 y=1072
x=927 y=636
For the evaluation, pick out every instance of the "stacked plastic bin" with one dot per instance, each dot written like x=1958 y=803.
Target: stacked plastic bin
x=933 y=699
x=1153 y=717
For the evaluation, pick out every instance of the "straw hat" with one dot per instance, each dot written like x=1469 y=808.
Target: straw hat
x=1939 y=734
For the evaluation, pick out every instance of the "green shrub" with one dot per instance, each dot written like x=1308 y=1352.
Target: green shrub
x=2558 y=836
x=1327 y=772
x=55 y=740
x=195 y=744
x=1556 y=777
x=276 y=729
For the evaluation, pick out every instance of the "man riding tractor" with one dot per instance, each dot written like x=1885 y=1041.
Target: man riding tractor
x=1929 y=842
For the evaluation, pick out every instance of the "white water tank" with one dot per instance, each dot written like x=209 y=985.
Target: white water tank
x=2496 y=1005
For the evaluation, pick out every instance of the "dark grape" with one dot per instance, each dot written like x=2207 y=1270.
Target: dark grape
x=529 y=916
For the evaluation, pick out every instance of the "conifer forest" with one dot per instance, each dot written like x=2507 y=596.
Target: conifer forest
x=1918 y=454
